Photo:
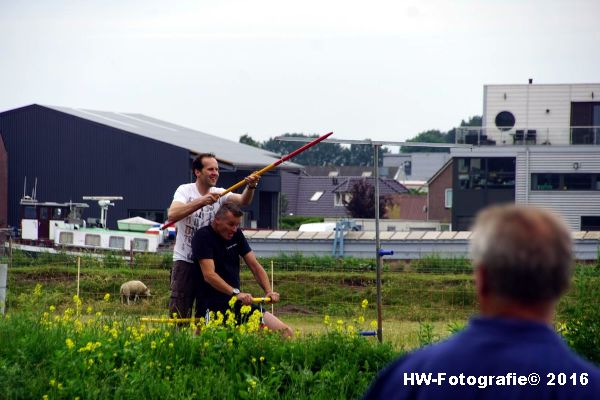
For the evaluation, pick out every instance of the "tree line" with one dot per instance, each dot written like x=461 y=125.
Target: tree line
x=436 y=136
x=355 y=154
x=320 y=155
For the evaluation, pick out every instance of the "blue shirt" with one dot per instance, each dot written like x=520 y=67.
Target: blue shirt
x=491 y=358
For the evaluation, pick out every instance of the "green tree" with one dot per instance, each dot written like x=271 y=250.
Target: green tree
x=326 y=153
x=247 y=139
x=436 y=136
x=430 y=136
x=321 y=154
x=474 y=121
x=362 y=155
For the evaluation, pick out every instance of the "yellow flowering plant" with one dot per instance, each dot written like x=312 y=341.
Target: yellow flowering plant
x=354 y=327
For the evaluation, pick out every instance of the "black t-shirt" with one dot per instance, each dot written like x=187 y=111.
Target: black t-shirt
x=208 y=244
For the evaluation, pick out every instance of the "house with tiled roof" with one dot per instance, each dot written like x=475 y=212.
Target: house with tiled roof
x=322 y=196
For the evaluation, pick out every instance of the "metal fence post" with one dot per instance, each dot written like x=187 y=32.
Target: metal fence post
x=131 y=255
x=3 y=280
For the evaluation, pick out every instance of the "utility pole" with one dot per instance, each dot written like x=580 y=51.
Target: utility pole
x=379 y=253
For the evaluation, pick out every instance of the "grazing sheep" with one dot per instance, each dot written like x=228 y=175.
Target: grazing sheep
x=133 y=290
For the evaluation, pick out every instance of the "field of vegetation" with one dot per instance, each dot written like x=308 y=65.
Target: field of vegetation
x=92 y=346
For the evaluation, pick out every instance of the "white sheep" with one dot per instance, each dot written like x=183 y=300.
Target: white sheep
x=133 y=290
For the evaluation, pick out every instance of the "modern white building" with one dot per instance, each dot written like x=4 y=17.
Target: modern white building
x=539 y=145
x=550 y=114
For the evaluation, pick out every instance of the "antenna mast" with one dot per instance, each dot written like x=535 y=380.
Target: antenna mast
x=104 y=203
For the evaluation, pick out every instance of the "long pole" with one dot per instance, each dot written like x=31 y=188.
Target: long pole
x=265 y=169
x=378 y=244
x=281 y=160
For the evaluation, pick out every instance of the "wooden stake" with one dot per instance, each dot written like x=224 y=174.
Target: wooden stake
x=272 y=288
x=78 y=274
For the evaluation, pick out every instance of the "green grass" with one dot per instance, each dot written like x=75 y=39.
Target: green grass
x=419 y=306
x=401 y=335
x=406 y=296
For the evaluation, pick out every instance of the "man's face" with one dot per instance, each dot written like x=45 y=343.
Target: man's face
x=209 y=174
x=226 y=225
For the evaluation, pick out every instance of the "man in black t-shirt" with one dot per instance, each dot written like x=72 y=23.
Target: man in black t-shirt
x=217 y=248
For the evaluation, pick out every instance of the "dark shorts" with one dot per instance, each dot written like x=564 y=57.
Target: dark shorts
x=186 y=279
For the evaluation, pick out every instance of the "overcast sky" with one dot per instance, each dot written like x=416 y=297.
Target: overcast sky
x=384 y=70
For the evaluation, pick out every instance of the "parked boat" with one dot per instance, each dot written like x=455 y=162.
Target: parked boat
x=60 y=225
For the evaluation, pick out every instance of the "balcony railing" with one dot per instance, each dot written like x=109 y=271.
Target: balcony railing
x=575 y=135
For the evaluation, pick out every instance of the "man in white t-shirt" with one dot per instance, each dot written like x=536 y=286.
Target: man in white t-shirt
x=194 y=206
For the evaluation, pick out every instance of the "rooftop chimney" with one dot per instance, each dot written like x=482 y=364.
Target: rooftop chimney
x=530 y=81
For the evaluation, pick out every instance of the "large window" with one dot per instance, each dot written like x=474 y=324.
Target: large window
x=590 y=223
x=500 y=172
x=490 y=173
x=578 y=182
x=585 y=123
x=570 y=181
x=470 y=173
x=545 y=182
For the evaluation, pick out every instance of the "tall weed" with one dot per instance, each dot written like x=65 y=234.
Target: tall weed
x=580 y=313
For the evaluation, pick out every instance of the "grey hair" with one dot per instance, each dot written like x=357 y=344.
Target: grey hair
x=229 y=206
x=526 y=252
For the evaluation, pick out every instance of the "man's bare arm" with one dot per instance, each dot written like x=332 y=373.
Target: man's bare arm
x=260 y=275
x=179 y=210
x=246 y=197
x=211 y=277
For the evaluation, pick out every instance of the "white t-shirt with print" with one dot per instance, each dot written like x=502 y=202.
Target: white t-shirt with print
x=196 y=220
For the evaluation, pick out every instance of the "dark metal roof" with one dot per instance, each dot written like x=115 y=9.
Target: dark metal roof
x=227 y=151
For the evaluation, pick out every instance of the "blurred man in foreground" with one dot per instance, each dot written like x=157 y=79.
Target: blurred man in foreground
x=522 y=264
